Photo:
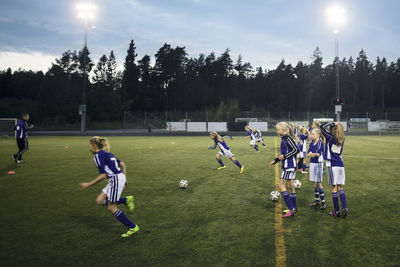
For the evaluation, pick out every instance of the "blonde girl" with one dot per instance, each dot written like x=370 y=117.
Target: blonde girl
x=334 y=135
x=114 y=170
x=224 y=151
x=289 y=150
x=315 y=152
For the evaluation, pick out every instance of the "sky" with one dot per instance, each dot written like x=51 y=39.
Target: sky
x=33 y=33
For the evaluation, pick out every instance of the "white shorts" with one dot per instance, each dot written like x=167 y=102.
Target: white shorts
x=288 y=175
x=316 y=172
x=252 y=142
x=226 y=152
x=301 y=155
x=336 y=175
x=114 y=188
x=260 y=140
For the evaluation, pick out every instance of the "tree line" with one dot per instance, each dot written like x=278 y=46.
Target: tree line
x=175 y=82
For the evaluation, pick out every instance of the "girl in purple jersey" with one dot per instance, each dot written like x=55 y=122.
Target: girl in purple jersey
x=289 y=150
x=315 y=152
x=114 y=170
x=334 y=135
x=224 y=151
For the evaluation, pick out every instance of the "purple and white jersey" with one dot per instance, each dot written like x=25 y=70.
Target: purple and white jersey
x=107 y=163
x=289 y=150
x=316 y=148
x=222 y=145
x=21 y=129
x=303 y=142
x=332 y=152
x=250 y=132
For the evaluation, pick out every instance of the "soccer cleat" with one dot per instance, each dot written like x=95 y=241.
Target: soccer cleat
x=220 y=168
x=130 y=203
x=242 y=169
x=323 y=206
x=334 y=213
x=131 y=231
x=300 y=170
x=314 y=203
x=344 y=213
x=285 y=211
x=20 y=161
x=290 y=213
x=304 y=172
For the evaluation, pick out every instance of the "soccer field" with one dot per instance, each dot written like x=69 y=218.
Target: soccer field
x=223 y=219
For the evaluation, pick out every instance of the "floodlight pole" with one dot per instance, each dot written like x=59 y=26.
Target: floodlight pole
x=83 y=106
x=338 y=106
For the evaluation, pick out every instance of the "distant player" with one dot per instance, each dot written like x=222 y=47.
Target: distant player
x=115 y=171
x=289 y=150
x=21 y=136
x=334 y=135
x=315 y=153
x=224 y=151
x=303 y=135
x=258 y=135
x=251 y=136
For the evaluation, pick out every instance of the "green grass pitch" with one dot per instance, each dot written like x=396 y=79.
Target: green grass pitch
x=222 y=219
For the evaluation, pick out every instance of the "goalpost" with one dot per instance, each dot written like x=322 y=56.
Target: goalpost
x=7 y=126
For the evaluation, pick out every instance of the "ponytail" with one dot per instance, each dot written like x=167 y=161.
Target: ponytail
x=101 y=143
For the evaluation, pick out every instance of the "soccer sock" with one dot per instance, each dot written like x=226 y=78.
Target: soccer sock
x=316 y=194
x=322 y=195
x=304 y=166
x=123 y=219
x=105 y=202
x=343 y=199
x=238 y=163
x=293 y=199
x=122 y=200
x=286 y=197
x=301 y=163
x=256 y=147
x=335 y=201
x=220 y=162
x=263 y=144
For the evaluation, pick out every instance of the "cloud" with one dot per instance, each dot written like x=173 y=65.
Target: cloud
x=29 y=61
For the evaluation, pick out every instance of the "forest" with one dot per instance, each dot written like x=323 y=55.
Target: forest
x=175 y=82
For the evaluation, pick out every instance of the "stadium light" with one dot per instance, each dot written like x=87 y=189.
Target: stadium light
x=86 y=12
x=336 y=16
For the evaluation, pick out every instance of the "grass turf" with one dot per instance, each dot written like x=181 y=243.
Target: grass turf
x=222 y=219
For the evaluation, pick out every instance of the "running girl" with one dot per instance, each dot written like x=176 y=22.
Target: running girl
x=315 y=152
x=334 y=135
x=289 y=150
x=251 y=136
x=224 y=150
x=115 y=171
x=258 y=136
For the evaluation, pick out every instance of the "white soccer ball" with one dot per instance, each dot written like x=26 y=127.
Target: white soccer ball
x=274 y=195
x=297 y=184
x=183 y=184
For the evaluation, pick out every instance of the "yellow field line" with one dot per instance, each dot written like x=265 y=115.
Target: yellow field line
x=280 y=249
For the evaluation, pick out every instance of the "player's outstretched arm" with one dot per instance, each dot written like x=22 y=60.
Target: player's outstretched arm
x=95 y=181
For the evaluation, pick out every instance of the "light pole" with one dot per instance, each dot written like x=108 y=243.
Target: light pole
x=336 y=17
x=85 y=12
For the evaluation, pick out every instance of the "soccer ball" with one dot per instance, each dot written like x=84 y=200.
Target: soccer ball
x=183 y=184
x=297 y=184
x=274 y=195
